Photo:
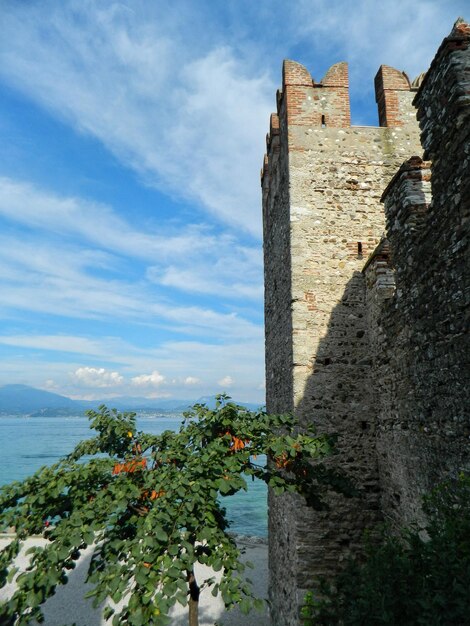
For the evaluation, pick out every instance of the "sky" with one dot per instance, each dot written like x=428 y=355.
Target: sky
x=132 y=135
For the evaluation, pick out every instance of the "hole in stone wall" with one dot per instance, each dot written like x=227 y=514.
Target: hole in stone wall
x=359 y=248
x=323 y=121
x=364 y=425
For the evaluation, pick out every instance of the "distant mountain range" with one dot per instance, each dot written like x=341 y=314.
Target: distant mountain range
x=24 y=399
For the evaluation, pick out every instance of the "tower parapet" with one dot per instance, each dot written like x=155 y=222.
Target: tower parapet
x=307 y=103
x=394 y=95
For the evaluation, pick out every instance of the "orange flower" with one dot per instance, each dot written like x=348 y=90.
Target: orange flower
x=157 y=494
x=237 y=444
x=283 y=462
x=129 y=467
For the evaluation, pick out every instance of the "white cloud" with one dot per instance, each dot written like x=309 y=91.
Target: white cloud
x=148 y=380
x=154 y=395
x=226 y=381
x=97 y=377
x=95 y=222
x=206 y=360
x=191 y=380
x=185 y=111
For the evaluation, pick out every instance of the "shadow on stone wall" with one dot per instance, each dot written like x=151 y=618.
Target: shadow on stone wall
x=338 y=399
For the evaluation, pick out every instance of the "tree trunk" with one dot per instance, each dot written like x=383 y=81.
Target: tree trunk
x=193 y=600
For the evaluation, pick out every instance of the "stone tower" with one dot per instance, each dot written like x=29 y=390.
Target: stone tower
x=322 y=181
x=330 y=339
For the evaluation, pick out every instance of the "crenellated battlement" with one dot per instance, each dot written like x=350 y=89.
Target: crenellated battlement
x=303 y=102
x=306 y=102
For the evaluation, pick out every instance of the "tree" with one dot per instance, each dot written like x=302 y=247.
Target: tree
x=150 y=507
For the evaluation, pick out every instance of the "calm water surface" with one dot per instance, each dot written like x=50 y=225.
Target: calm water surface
x=28 y=443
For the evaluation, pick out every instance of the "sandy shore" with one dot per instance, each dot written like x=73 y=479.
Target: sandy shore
x=69 y=606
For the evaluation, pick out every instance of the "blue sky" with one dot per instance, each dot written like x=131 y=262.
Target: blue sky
x=132 y=134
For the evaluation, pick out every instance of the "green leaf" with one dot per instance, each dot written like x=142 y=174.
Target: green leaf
x=217 y=565
x=140 y=576
x=160 y=534
x=224 y=486
x=88 y=537
x=12 y=573
x=245 y=606
x=108 y=612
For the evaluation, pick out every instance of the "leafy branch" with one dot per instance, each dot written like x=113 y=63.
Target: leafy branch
x=150 y=507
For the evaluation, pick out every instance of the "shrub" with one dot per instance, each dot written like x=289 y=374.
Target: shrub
x=421 y=576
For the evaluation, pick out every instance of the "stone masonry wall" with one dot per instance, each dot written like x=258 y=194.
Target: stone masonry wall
x=420 y=334
x=278 y=325
x=322 y=180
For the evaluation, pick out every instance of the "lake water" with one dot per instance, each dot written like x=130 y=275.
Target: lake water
x=28 y=443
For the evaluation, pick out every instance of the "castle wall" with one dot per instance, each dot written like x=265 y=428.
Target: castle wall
x=322 y=181
x=420 y=333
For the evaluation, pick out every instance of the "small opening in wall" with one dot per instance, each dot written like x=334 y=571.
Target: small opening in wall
x=364 y=425
x=323 y=121
x=359 y=248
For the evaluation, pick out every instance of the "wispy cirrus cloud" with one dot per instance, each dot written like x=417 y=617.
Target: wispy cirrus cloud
x=189 y=259
x=58 y=281
x=372 y=37
x=181 y=107
x=175 y=112
x=395 y=34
